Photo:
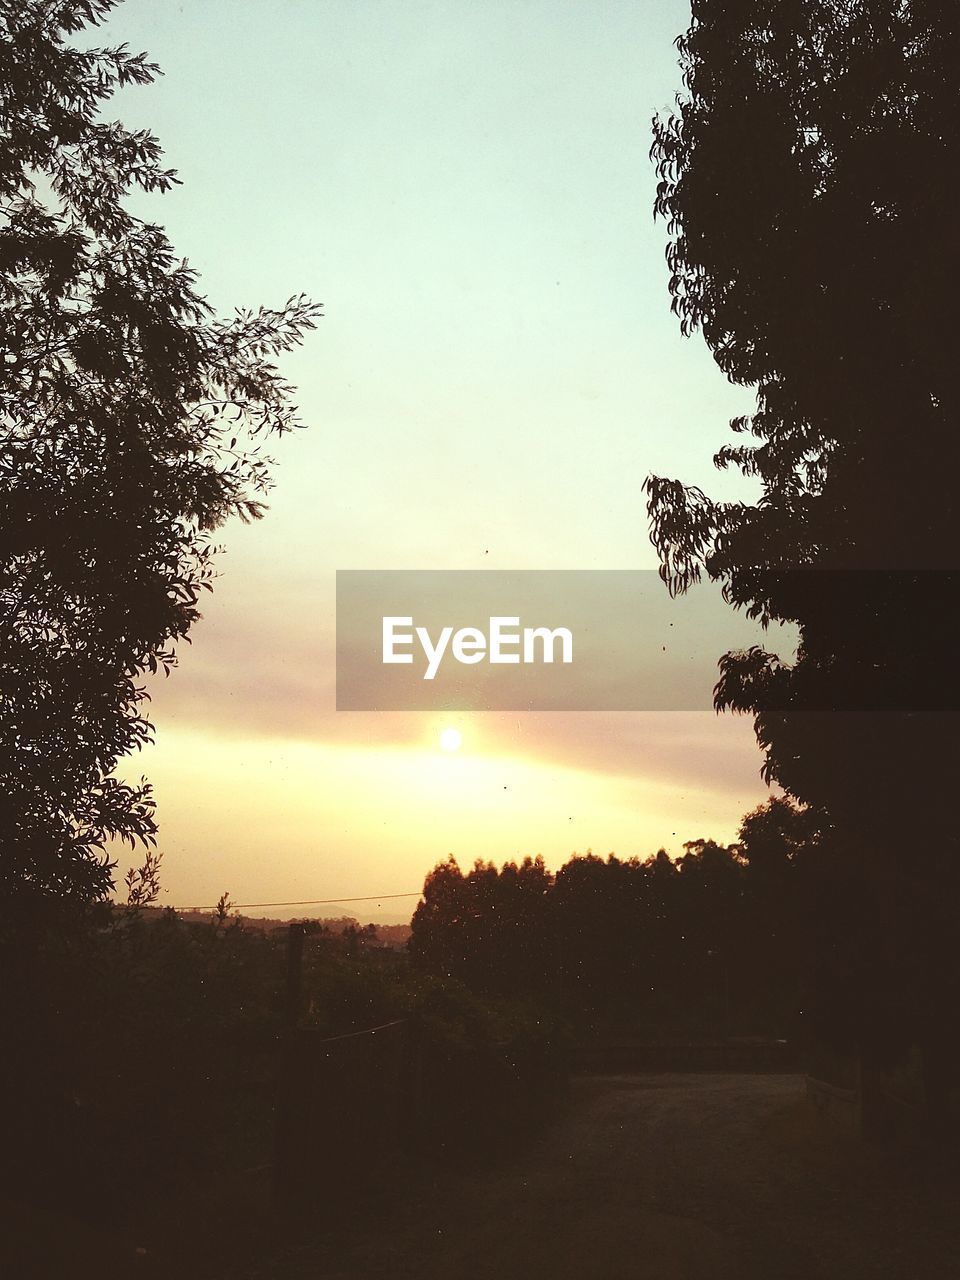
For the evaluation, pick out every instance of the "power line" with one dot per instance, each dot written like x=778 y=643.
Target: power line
x=367 y=1031
x=307 y=902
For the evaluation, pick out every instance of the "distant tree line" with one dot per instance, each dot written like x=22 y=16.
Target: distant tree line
x=726 y=939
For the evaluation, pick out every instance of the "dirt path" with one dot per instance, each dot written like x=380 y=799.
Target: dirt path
x=673 y=1177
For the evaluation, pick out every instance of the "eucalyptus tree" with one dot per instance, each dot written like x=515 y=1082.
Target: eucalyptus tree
x=132 y=421
x=808 y=178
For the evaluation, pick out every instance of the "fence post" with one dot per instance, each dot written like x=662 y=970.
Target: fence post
x=294 y=972
x=284 y=1163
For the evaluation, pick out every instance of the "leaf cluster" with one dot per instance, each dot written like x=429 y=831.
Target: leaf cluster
x=132 y=423
x=808 y=179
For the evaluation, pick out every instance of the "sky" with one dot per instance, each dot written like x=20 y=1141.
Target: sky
x=466 y=188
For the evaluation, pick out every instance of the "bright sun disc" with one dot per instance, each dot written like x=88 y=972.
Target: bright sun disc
x=450 y=739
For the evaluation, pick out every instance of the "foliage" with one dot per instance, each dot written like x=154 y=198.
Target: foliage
x=806 y=180
x=705 y=944
x=487 y=926
x=145 y=1057
x=143 y=882
x=491 y=1068
x=131 y=427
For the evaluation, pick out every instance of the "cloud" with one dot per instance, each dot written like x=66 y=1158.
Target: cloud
x=269 y=674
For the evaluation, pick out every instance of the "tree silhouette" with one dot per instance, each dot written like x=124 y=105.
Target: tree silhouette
x=491 y=929
x=808 y=180
x=655 y=946
x=131 y=427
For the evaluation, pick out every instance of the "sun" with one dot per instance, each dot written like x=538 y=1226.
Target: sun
x=450 y=739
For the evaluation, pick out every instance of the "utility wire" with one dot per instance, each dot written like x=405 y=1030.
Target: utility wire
x=307 y=902
x=367 y=1031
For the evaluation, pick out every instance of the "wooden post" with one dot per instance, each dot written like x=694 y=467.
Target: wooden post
x=294 y=972
x=284 y=1159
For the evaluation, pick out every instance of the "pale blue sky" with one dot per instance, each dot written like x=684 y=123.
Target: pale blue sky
x=466 y=187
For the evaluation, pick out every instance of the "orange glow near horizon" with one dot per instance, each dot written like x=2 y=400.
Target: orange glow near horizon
x=283 y=820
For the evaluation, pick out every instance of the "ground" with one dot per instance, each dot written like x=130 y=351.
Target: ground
x=673 y=1177
x=646 y=1177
